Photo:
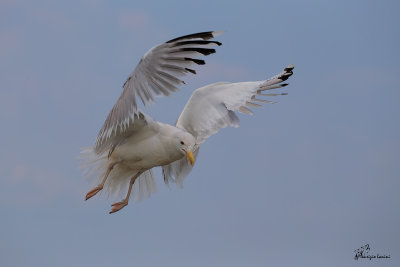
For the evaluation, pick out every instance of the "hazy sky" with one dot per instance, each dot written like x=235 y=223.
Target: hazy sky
x=303 y=182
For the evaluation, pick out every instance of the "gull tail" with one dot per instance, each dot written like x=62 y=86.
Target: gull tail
x=94 y=167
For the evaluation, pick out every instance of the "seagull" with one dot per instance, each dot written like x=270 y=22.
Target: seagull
x=131 y=143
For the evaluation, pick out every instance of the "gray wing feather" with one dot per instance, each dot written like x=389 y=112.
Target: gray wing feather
x=156 y=74
x=138 y=122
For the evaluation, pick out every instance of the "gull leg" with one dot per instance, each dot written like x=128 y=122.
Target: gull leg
x=119 y=205
x=97 y=189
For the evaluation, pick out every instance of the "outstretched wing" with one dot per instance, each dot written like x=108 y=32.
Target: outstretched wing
x=213 y=107
x=156 y=74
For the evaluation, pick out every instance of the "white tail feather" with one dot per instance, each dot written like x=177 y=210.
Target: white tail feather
x=95 y=166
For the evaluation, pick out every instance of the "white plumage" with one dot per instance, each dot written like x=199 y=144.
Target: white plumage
x=130 y=143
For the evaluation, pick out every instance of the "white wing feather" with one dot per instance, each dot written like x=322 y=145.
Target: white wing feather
x=213 y=107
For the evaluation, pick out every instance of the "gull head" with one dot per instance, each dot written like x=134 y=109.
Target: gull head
x=185 y=143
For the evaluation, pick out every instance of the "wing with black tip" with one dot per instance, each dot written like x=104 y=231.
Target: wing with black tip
x=213 y=107
x=157 y=73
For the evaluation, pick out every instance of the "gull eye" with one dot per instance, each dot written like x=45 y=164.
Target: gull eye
x=182 y=143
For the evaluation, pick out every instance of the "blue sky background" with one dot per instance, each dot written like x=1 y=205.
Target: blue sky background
x=303 y=182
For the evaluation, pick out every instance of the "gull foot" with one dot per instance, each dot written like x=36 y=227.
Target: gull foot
x=119 y=205
x=93 y=192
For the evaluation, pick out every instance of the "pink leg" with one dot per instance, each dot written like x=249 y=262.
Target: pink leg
x=97 y=189
x=119 y=205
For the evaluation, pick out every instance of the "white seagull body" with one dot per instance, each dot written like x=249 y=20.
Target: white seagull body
x=130 y=143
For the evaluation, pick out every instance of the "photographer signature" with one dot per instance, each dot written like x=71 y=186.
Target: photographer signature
x=363 y=252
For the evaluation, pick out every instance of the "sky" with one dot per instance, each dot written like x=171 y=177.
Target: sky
x=304 y=182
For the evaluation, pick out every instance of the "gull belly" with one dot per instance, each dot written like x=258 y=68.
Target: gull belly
x=147 y=150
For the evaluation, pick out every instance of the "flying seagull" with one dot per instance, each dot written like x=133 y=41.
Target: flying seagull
x=131 y=143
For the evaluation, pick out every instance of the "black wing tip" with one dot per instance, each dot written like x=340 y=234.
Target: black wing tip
x=288 y=71
x=289 y=68
x=196 y=42
x=203 y=51
x=285 y=76
x=190 y=70
x=195 y=60
x=203 y=35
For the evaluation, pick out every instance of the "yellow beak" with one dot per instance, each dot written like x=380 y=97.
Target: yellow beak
x=189 y=155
